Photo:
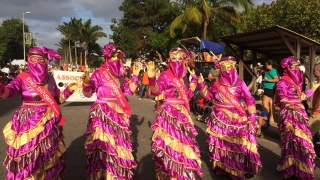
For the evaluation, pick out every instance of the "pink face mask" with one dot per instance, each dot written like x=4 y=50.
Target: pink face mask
x=38 y=72
x=177 y=68
x=115 y=67
x=229 y=77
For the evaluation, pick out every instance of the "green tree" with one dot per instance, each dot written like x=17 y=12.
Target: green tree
x=66 y=30
x=143 y=31
x=300 y=16
x=76 y=26
x=11 y=40
x=200 y=13
x=89 y=35
x=83 y=33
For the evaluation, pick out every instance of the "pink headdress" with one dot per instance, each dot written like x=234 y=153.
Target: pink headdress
x=110 y=49
x=225 y=63
x=291 y=68
x=288 y=61
x=178 y=53
x=44 y=51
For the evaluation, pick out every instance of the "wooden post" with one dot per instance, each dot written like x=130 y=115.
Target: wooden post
x=241 y=65
x=312 y=57
x=255 y=71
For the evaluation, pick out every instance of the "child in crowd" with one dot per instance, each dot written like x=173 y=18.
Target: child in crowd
x=263 y=121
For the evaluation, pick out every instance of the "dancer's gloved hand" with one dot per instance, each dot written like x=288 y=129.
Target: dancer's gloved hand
x=136 y=69
x=303 y=96
x=252 y=123
x=200 y=78
x=315 y=86
x=86 y=78
x=73 y=86
x=151 y=69
x=191 y=72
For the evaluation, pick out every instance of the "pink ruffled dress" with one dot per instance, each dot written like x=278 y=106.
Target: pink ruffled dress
x=34 y=136
x=108 y=144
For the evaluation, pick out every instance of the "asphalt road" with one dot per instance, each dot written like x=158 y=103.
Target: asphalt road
x=76 y=114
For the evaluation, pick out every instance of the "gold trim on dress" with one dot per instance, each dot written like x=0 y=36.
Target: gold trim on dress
x=102 y=174
x=231 y=116
x=228 y=169
x=176 y=145
x=49 y=163
x=16 y=140
x=297 y=132
x=34 y=103
x=290 y=160
x=99 y=133
x=236 y=140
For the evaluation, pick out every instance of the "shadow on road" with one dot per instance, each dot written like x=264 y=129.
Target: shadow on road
x=145 y=169
x=203 y=146
x=76 y=160
x=269 y=161
x=135 y=132
x=10 y=104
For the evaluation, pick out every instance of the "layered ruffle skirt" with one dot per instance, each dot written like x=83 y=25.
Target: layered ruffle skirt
x=35 y=145
x=233 y=147
x=297 y=151
x=108 y=144
x=174 y=147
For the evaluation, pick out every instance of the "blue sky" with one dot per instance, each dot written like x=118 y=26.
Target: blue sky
x=47 y=15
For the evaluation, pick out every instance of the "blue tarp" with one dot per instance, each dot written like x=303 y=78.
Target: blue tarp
x=212 y=46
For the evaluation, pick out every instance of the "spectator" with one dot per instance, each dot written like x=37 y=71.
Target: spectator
x=269 y=82
x=304 y=84
x=206 y=111
x=213 y=74
x=144 y=82
x=262 y=119
x=260 y=78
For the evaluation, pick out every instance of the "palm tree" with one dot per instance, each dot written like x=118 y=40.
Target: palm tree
x=63 y=49
x=90 y=35
x=66 y=30
x=76 y=25
x=200 y=12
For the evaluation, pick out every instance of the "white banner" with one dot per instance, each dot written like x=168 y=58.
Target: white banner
x=64 y=78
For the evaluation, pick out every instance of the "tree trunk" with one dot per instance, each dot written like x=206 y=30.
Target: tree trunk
x=205 y=27
x=75 y=52
x=160 y=57
x=70 y=53
x=85 y=49
x=80 y=43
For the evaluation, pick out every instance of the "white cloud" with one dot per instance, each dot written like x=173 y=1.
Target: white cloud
x=47 y=15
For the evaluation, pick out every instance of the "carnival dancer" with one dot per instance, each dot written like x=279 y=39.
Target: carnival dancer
x=231 y=129
x=174 y=146
x=108 y=144
x=34 y=135
x=297 y=152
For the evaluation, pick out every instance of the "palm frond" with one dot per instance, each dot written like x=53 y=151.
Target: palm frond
x=193 y=14
x=175 y=23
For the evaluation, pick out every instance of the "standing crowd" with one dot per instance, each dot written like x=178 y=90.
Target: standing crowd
x=34 y=136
